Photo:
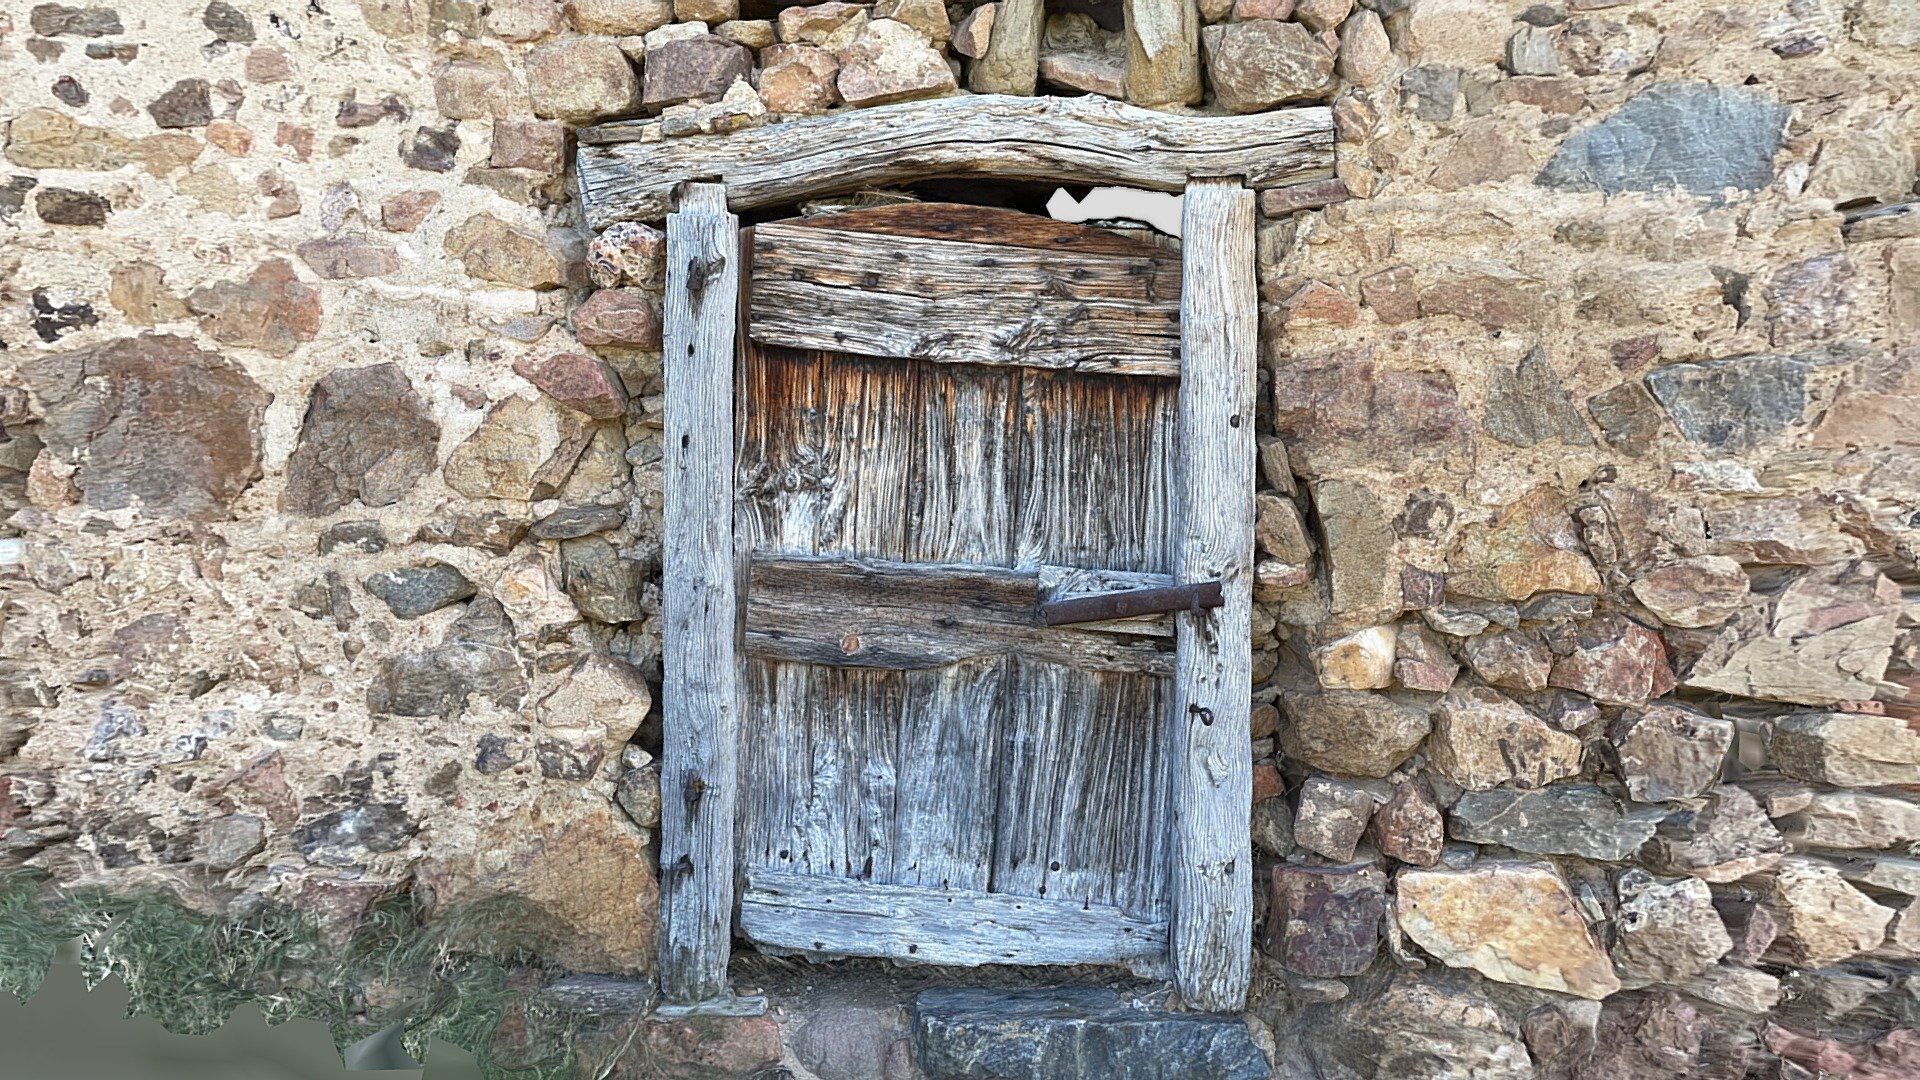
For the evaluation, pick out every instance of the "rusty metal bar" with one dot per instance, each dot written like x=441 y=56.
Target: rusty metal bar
x=1130 y=602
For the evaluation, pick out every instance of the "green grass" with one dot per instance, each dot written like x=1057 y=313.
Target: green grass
x=449 y=978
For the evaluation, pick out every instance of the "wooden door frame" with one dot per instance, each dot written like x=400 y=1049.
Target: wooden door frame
x=1217 y=162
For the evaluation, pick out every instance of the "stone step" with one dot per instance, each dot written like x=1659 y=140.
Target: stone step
x=1070 y=1032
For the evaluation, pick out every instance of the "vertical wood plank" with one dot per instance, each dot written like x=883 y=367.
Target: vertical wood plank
x=1012 y=62
x=1211 y=932
x=1163 y=51
x=698 y=603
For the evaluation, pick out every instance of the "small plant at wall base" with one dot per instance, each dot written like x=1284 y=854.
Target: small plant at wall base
x=451 y=979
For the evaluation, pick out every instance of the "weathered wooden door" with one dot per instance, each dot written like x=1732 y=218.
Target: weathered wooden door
x=947 y=416
x=883 y=737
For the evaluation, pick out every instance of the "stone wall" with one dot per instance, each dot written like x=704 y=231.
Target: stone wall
x=1591 y=484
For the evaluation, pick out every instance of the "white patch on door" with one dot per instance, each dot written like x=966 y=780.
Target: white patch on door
x=1157 y=208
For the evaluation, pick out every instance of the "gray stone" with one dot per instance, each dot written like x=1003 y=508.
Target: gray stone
x=226 y=842
x=1725 y=840
x=227 y=21
x=638 y=795
x=365 y=537
x=343 y=838
x=1565 y=819
x=488 y=530
x=1733 y=404
x=367 y=435
x=477 y=657
x=496 y=754
x=1702 y=138
x=1628 y=417
x=601 y=995
x=1072 y=1032
x=1668 y=752
x=1846 y=749
x=1667 y=930
x=1331 y=817
x=53 y=20
x=431 y=149
x=1272 y=827
x=189 y=104
x=62 y=206
x=844 y=1042
x=1430 y=92
x=413 y=591
x=1511 y=660
x=573 y=522
x=560 y=759
x=1528 y=406
x=605 y=587
x=1408 y=826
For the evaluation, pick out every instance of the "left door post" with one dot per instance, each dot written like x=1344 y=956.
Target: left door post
x=700 y=691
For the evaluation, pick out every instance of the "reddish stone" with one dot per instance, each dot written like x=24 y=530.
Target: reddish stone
x=1263 y=721
x=579 y=382
x=709 y=1047
x=1312 y=195
x=155 y=422
x=271 y=310
x=539 y=145
x=1511 y=660
x=1408 y=826
x=347 y=258
x=1614 y=661
x=1822 y=1056
x=1421 y=660
x=1342 y=408
x=697 y=69
x=404 y=212
x=1324 y=921
x=1390 y=294
x=1266 y=783
x=1492 y=294
x=624 y=317
x=1318 y=304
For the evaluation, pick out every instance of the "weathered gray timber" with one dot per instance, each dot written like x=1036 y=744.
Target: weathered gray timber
x=1163 y=52
x=1211 y=929
x=699 y=711
x=920 y=298
x=938 y=926
x=1068 y=140
x=879 y=614
x=912 y=720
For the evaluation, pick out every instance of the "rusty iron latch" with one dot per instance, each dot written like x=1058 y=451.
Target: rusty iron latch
x=1130 y=602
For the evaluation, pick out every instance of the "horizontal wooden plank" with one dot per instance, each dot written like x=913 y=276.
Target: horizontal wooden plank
x=933 y=267
x=835 y=916
x=989 y=225
x=869 y=613
x=1108 y=337
x=628 y=172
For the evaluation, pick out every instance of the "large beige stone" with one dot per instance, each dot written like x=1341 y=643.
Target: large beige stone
x=1514 y=922
x=1847 y=749
x=523 y=450
x=1824 y=919
x=584 y=78
x=1351 y=733
x=891 y=61
x=799 y=79
x=1853 y=820
x=620 y=18
x=492 y=250
x=1482 y=739
x=1529 y=547
x=1667 y=930
x=577 y=863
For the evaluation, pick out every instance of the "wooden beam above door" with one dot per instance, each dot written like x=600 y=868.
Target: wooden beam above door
x=628 y=172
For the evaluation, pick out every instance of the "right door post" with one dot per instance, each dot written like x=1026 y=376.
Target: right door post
x=1211 y=933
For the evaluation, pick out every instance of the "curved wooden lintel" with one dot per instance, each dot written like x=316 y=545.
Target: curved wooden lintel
x=628 y=171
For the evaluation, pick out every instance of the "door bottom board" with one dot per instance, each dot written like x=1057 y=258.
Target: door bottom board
x=937 y=926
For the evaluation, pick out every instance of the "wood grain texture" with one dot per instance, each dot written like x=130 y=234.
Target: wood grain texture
x=1079 y=140
x=1211 y=927
x=823 y=915
x=881 y=614
x=987 y=225
x=1011 y=64
x=698 y=602
x=1163 y=51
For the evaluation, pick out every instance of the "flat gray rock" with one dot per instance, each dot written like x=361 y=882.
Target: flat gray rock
x=1702 y=138
x=1068 y=1033
x=1567 y=819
